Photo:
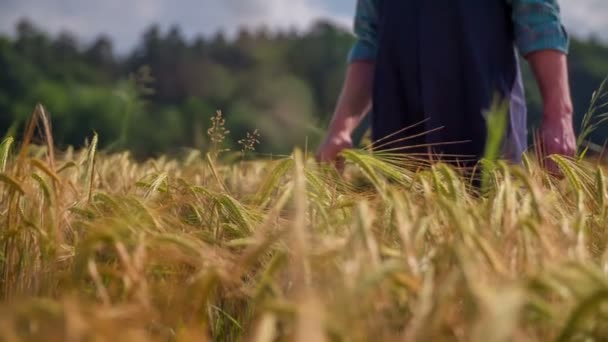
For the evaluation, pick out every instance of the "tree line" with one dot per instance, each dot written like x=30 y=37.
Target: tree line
x=160 y=96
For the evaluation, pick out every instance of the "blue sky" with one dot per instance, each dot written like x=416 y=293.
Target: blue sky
x=124 y=20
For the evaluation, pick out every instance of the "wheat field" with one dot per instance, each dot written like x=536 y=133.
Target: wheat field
x=96 y=246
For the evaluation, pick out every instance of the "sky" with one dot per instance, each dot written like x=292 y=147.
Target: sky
x=125 y=20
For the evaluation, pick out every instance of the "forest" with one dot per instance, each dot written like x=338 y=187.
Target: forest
x=159 y=97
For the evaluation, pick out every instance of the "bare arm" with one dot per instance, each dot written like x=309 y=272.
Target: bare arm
x=354 y=103
x=551 y=71
x=543 y=41
x=355 y=100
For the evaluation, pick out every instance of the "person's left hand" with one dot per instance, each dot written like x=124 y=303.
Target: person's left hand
x=557 y=137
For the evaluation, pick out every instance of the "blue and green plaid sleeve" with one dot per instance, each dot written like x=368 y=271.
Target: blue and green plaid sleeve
x=538 y=26
x=366 y=31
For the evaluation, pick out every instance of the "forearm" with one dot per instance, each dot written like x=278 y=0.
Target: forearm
x=557 y=134
x=355 y=100
x=550 y=69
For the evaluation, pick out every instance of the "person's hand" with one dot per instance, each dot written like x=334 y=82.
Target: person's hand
x=330 y=149
x=557 y=137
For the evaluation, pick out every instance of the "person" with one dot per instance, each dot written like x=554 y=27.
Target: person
x=428 y=71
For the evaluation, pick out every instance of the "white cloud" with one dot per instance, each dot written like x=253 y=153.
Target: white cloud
x=125 y=20
x=283 y=13
x=122 y=20
x=583 y=17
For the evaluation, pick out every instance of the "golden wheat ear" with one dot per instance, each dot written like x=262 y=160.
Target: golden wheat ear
x=410 y=152
x=374 y=144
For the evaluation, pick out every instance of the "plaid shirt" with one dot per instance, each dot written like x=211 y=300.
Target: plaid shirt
x=537 y=27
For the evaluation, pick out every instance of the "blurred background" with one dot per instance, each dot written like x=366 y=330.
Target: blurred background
x=148 y=75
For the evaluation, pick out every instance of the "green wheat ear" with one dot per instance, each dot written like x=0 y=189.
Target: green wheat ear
x=46 y=189
x=89 y=177
x=5 y=149
x=496 y=123
x=596 y=115
x=272 y=181
x=601 y=190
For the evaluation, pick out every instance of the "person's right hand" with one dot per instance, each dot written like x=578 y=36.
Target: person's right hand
x=330 y=149
x=558 y=138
